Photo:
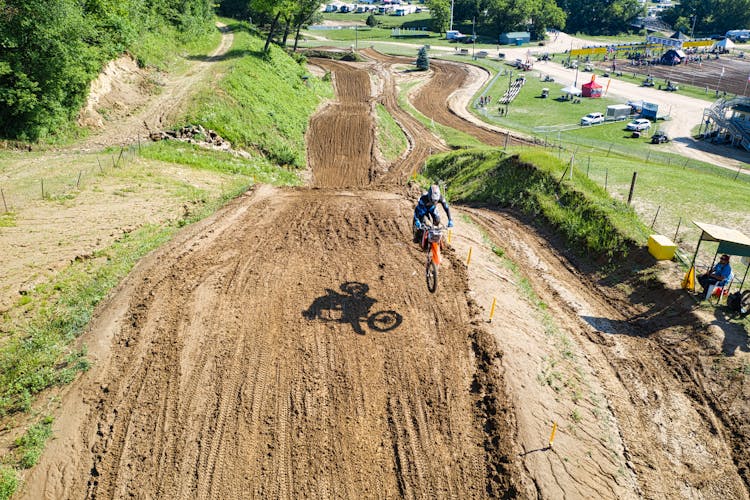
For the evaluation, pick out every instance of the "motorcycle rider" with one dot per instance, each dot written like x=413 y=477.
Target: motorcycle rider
x=427 y=209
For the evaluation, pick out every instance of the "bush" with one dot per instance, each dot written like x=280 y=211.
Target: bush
x=423 y=62
x=372 y=21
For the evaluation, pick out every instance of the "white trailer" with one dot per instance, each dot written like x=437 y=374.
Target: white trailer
x=617 y=112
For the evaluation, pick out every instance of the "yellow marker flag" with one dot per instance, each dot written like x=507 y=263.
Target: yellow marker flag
x=688 y=282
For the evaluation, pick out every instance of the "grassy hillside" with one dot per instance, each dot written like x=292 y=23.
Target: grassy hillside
x=263 y=102
x=533 y=182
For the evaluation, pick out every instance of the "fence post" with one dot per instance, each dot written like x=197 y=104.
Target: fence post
x=677 y=230
x=648 y=156
x=655 y=216
x=606 y=178
x=78 y=181
x=609 y=150
x=42 y=188
x=507 y=137
x=4 y=204
x=588 y=167
x=738 y=172
x=632 y=187
x=572 y=159
x=101 y=170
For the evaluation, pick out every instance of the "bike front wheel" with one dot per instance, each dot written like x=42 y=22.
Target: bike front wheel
x=431 y=275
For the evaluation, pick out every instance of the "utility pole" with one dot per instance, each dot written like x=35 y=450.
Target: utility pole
x=451 y=26
x=473 y=37
x=692 y=30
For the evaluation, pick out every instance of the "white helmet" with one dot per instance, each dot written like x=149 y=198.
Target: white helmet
x=435 y=193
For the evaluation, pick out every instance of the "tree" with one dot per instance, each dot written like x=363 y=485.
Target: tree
x=440 y=11
x=546 y=15
x=423 y=61
x=710 y=16
x=371 y=21
x=275 y=10
x=306 y=10
x=600 y=17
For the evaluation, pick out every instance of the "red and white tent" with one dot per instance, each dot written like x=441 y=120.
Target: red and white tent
x=591 y=89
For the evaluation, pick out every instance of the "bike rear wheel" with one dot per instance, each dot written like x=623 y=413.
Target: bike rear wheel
x=431 y=275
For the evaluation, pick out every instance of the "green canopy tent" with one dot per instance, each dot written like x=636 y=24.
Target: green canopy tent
x=731 y=242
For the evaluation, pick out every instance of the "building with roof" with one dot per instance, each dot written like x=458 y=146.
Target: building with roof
x=728 y=121
x=515 y=38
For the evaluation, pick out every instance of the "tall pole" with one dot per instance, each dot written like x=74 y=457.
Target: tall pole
x=692 y=30
x=451 y=26
x=473 y=37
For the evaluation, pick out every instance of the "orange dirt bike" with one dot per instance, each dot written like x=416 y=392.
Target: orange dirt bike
x=433 y=240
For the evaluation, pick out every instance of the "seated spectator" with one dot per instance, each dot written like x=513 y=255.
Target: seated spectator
x=718 y=275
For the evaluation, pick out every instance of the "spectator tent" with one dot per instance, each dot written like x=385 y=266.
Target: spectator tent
x=724 y=45
x=672 y=57
x=731 y=242
x=591 y=89
x=571 y=91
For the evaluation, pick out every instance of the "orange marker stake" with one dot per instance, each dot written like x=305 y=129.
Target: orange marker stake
x=552 y=436
x=450 y=233
x=468 y=259
x=492 y=309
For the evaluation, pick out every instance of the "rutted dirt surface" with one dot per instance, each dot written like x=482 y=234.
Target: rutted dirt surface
x=438 y=101
x=287 y=348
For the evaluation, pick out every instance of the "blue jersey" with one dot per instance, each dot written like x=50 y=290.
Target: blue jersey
x=425 y=207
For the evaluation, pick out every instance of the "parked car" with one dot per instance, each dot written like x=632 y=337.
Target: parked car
x=638 y=124
x=592 y=118
x=659 y=137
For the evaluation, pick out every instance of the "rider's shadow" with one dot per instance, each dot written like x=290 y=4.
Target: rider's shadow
x=353 y=307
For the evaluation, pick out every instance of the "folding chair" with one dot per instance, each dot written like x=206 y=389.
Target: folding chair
x=719 y=291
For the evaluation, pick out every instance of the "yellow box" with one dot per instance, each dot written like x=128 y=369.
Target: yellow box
x=661 y=247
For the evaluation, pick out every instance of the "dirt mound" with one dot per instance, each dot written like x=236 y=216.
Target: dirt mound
x=120 y=88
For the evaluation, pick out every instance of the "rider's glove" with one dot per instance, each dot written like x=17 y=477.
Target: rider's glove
x=417 y=224
x=450 y=223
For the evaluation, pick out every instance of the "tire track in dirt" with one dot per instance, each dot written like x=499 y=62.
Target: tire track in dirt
x=433 y=98
x=287 y=348
x=675 y=442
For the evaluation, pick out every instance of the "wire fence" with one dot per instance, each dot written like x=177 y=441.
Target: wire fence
x=66 y=181
x=660 y=215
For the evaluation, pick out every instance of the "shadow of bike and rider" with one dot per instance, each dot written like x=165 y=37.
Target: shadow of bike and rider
x=352 y=306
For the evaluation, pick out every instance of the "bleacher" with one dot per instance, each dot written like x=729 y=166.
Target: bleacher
x=513 y=91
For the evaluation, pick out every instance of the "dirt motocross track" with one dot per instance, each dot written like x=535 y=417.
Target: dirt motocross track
x=288 y=348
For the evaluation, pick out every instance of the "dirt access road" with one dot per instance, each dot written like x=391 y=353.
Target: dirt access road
x=287 y=347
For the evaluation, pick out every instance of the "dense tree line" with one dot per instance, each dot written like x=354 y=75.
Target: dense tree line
x=536 y=16
x=50 y=50
x=709 y=16
x=280 y=18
